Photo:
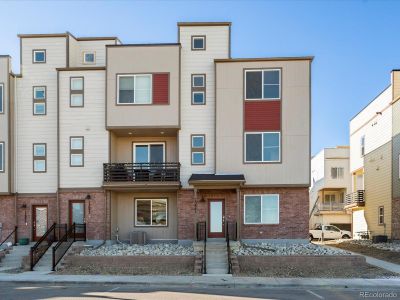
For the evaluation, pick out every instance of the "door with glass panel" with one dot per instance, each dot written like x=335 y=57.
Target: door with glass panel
x=148 y=161
x=216 y=218
x=77 y=216
x=39 y=221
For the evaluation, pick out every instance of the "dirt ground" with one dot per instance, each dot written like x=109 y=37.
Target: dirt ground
x=390 y=256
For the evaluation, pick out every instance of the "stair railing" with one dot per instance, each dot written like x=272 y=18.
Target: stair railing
x=15 y=233
x=231 y=233
x=201 y=235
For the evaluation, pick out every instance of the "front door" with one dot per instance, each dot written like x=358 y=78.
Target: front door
x=216 y=218
x=77 y=216
x=39 y=221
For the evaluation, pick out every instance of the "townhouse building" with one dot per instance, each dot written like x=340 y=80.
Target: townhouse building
x=156 y=138
x=374 y=165
x=330 y=183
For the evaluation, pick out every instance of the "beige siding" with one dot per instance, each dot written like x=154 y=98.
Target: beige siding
x=38 y=129
x=4 y=123
x=99 y=47
x=146 y=59
x=123 y=216
x=295 y=166
x=396 y=84
x=378 y=191
x=73 y=52
x=87 y=121
x=199 y=119
x=396 y=105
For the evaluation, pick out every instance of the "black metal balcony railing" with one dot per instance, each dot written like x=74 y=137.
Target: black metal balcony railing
x=357 y=198
x=137 y=172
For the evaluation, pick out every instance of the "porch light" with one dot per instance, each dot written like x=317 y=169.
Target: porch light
x=88 y=197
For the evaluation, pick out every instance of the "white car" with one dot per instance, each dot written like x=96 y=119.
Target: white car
x=330 y=232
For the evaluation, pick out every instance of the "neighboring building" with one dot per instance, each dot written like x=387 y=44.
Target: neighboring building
x=154 y=138
x=330 y=182
x=374 y=164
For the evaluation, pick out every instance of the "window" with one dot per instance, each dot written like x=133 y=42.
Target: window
x=198 y=89
x=1 y=98
x=76 y=91
x=337 y=173
x=89 y=57
x=39 y=56
x=261 y=209
x=262 y=147
x=263 y=84
x=39 y=158
x=330 y=198
x=39 y=100
x=151 y=212
x=149 y=152
x=362 y=145
x=199 y=42
x=76 y=151
x=381 y=215
x=134 y=89
x=2 y=157
x=198 y=149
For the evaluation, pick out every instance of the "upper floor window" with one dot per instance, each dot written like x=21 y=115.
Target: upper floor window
x=198 y=89
x=263 y=84
x=149 y=152
x=39 y=100
x=337 y=173
x=262 y=147
x=76 y=151
x=199 y=42
x=198 y=149
x=39 y=56
x=134 y=89
x=89 y=57
x=261 y=209
x=362 y=145
x=2 y=157
x=1 y=98
x=381 y=215
x=76 y=92
x=39 y=158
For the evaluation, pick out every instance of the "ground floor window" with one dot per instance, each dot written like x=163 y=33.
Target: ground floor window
x=381 y=215
x=261 y=209
x=151 y=212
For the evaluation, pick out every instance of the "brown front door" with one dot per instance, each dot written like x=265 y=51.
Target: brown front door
x=77 y=215
x=39 y=221
x=216 y=218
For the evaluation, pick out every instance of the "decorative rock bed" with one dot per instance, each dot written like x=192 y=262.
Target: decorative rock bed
x=162 y=249
x=266 y=249
x=394 y=246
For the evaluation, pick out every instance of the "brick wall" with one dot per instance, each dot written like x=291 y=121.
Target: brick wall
x=95 y=211
x=186 y=214
x=396 y=219
x=7 y=215
x=293 y=215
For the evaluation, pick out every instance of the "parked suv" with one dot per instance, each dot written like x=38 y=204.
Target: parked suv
x=330 y=232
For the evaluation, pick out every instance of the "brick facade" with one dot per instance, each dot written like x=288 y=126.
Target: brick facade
x=7 y=215
x=396 y=219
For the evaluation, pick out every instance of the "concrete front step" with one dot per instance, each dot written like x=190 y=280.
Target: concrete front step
x=217 y=271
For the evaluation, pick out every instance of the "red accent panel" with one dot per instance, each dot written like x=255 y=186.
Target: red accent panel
x=262 y=115
x=160 y=88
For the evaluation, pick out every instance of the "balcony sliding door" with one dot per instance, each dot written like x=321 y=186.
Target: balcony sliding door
x=149 y=153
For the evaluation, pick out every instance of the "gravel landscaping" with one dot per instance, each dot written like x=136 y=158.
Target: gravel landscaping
x=283 y=249
x=150 y=249
x=394 y=246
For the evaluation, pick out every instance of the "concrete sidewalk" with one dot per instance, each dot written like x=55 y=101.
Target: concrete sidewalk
x=198 y=281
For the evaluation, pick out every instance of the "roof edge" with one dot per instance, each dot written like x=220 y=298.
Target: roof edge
x=146 y=45
x=82 y=69
x=226 y=60
x=204 y=24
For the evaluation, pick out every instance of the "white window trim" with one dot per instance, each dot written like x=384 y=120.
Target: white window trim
x=89 y=62
x=2 y=157
x=381 y=215
x=2 y=98
x=199 y=37
x=35 y=88
x=262 y=84
x=147 y=144
x=151 y=212
x=260 y=195
x=198 y=92
x=198 y=86
x=134 y=91
x=34 y=56
x=198 y=136
x=362 y=146
x=197 y=163
x=262 y=149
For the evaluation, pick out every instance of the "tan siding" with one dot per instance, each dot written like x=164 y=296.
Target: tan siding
x=378 y=191
x=4 y=124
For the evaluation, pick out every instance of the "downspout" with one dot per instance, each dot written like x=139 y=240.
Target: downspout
x=238 y=213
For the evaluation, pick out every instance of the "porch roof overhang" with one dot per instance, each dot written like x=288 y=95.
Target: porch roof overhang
x=217 y=180
x=168 y=186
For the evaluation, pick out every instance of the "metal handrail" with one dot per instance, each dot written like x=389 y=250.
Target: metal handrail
x=15 y=232
x=228 y=246
x=67 y=239
x=137 y=172
x=201 y=235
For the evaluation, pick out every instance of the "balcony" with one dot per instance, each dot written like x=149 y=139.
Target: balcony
x=331 y=206
x=355 y=199
x=142 y=175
